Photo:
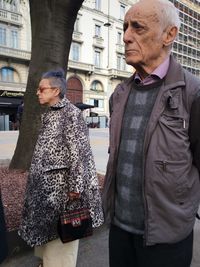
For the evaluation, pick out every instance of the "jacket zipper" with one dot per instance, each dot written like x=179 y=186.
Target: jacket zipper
x=145 y=205
x=145 y=237
x=184 y=124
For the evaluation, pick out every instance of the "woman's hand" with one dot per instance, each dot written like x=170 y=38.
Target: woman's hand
x=74 y=195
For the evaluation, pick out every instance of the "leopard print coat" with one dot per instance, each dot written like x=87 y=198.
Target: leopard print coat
x=62 y=162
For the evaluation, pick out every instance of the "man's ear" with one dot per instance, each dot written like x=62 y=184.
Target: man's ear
x=169 y=35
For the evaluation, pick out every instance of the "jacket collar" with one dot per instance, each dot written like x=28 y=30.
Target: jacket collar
x=173 y=79
x=62 y=103
x=175 y=75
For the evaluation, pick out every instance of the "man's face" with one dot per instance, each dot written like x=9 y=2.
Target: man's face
x=47 y=95
x=143 y=36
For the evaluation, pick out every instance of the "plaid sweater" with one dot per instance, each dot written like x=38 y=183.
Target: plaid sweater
x=129 y=202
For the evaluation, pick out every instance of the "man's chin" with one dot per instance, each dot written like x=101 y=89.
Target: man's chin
x=132 y=62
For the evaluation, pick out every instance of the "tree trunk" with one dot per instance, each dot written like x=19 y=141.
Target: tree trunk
x=52 y=23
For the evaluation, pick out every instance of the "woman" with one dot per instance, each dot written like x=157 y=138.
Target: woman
x=62 y=167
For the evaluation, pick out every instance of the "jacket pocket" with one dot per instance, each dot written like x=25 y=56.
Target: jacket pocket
x=173 y=121
x=173 y=183
x=55 y=167
x=172 y=175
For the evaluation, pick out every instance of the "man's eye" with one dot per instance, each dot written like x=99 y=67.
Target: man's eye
x=136 y=25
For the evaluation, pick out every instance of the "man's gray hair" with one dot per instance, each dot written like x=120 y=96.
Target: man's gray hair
x=57 y=79
x=170 y=14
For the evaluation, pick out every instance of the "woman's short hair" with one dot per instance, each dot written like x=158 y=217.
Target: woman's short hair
x=57 y=79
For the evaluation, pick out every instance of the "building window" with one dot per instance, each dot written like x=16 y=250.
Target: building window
x=13 y=6
x=97 y=30
x=2 y=36
x=2 y=4
x=14 y=39
x=97 y=58
x=122 y=12
x=99 y=103
x=9 y=5
x=121 y=63
x=75 y=51
x=98 y=4
x=119 y=38
x=9 y=37
x=96 y=86
x=7 y=74
x=76 y=25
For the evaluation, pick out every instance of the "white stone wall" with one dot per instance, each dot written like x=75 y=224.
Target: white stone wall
x=88 y=17
x=25 y=34
x=24 y=44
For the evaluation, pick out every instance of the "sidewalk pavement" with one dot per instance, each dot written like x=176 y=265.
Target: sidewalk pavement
x=93 y=252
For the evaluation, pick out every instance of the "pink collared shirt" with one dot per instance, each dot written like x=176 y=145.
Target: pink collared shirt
x=157 y=74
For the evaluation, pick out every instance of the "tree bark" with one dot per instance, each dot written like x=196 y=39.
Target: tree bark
x=52 y=23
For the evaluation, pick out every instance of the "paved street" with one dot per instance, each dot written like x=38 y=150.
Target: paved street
x=93 y=251
x=98 y=140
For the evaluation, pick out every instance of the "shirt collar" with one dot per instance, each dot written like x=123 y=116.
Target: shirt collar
x=158 y=74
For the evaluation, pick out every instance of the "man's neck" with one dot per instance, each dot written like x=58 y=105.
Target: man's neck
x=146 y=70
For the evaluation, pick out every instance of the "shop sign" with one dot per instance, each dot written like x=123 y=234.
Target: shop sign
x=11 y=93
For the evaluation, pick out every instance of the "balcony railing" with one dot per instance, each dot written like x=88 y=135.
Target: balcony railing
x=120 y=48
x=12 y=89
x=15 y=53
x=98 y=41
x=8 y=16
x=77 y=36
x=114 y=73
x=84 y=67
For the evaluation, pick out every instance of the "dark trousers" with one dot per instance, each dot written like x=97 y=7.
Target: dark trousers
x=128 y=250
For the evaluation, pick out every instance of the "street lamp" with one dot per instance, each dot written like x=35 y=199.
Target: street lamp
x=108 y=24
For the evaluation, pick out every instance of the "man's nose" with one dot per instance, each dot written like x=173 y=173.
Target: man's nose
x=128 y=36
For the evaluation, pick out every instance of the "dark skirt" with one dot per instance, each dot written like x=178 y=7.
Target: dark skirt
x=3 y=241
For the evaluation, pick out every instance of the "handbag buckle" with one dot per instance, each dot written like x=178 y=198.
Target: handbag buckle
x=76 y=222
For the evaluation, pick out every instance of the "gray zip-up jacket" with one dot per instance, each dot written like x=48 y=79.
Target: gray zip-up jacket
x=171 y=185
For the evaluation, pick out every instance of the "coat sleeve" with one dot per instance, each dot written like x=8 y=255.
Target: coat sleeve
x=111 y=105
x=194 y=131
x=79 y=153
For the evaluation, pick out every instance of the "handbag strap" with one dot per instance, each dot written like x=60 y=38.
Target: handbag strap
x=69 y=201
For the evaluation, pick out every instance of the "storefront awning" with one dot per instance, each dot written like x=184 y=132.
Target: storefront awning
x=11 y=102
x=83 y=106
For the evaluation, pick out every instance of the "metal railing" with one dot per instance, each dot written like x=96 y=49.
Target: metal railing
x=81 y=66
x=15 y=53
x=11 y=17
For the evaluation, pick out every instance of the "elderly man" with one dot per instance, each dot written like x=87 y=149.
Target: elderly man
x=152 y=189
x=62 y=167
